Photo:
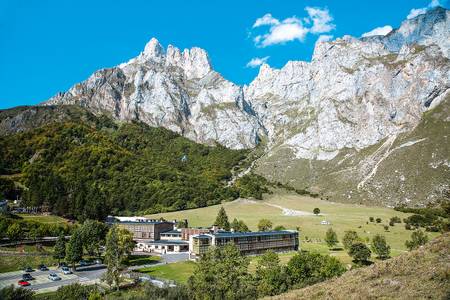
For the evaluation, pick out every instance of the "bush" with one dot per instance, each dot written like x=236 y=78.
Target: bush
x=279 y=228
x=380 y=246
x=222 y=273
x=395 y=219
x=16 y=293
x=265 y=225
x=270 y=276
x=421 y=220
x=371 y=219
x=418 y=238
x=316 y=211
x=307 y=268
x=75 y=291
x=349 y=238
x=359 y=252
x=378 y=220
x=331 y=238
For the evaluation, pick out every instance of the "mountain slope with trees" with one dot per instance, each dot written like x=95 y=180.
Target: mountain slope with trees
x=84 y=166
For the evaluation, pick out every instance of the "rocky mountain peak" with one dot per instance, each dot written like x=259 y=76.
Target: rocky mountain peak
x=353 y=93
x=153 y=50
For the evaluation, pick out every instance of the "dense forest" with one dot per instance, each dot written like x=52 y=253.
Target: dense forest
x=93 y=168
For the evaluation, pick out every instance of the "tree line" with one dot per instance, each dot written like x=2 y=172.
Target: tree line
x=15 y=228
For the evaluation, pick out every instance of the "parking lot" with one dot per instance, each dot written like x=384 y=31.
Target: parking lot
x=86 y=275
x=89 y=275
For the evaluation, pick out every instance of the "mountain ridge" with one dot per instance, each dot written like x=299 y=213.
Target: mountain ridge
x=346 y=107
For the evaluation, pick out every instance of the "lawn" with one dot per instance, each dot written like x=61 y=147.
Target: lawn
x=50 y=219
x=139 y=260
x=342 y=217
x=180 y=271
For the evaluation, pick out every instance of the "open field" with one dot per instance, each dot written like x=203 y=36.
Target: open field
x=179 y=271
x=50 y=219
x=297 y=214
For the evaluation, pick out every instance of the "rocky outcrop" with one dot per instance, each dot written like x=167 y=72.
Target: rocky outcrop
x=173 y=89
x=355 y=92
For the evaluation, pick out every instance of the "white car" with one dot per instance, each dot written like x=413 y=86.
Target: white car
x=66 y=270
x=53 y=277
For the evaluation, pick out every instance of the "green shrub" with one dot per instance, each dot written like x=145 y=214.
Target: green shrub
x=307 y=268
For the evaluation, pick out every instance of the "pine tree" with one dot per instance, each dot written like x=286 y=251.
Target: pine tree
x=59 y=251
x=222 y=219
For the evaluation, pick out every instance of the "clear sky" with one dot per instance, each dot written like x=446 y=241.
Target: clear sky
x=46 y=46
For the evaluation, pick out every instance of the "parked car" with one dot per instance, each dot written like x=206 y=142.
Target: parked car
x=84 y=263
x=43 y=268
x=28 y=269
x=27 y=277
x=98 y=261
x=53 y=277
x=66 y=270
x=23 y=283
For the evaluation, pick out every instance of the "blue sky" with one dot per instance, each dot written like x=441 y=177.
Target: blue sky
x=47 y=46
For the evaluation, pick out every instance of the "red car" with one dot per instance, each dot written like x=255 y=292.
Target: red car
x=23 y=283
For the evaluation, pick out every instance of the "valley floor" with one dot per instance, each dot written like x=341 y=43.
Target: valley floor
x=294 y=211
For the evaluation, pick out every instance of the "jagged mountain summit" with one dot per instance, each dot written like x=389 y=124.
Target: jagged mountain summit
x=335 y=119
x=173 y=89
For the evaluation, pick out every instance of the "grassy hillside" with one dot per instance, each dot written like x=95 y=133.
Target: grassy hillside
x=411 y=168
x=87 y=167
x=342 y=217
x=421 y=274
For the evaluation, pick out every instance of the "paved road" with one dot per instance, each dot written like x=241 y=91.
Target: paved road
x=175 y=257
x=88 y=274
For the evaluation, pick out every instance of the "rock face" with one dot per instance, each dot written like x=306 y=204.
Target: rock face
x=173 y=89
x=355 y=92
x=354 y=95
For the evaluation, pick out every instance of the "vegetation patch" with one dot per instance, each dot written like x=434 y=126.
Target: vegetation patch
x=180 y=271
x=87 y=170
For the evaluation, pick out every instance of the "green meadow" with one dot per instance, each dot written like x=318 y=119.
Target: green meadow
x=50 y=219
x=341 y=216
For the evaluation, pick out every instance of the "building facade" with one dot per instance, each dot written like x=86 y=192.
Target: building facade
x=142 y=228
x=247 y=242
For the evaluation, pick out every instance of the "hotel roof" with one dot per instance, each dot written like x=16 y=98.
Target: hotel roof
x=166 y=242
x=172 y=232
x=256 y=233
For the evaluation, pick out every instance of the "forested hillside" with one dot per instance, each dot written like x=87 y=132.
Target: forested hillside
x=93 y=167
